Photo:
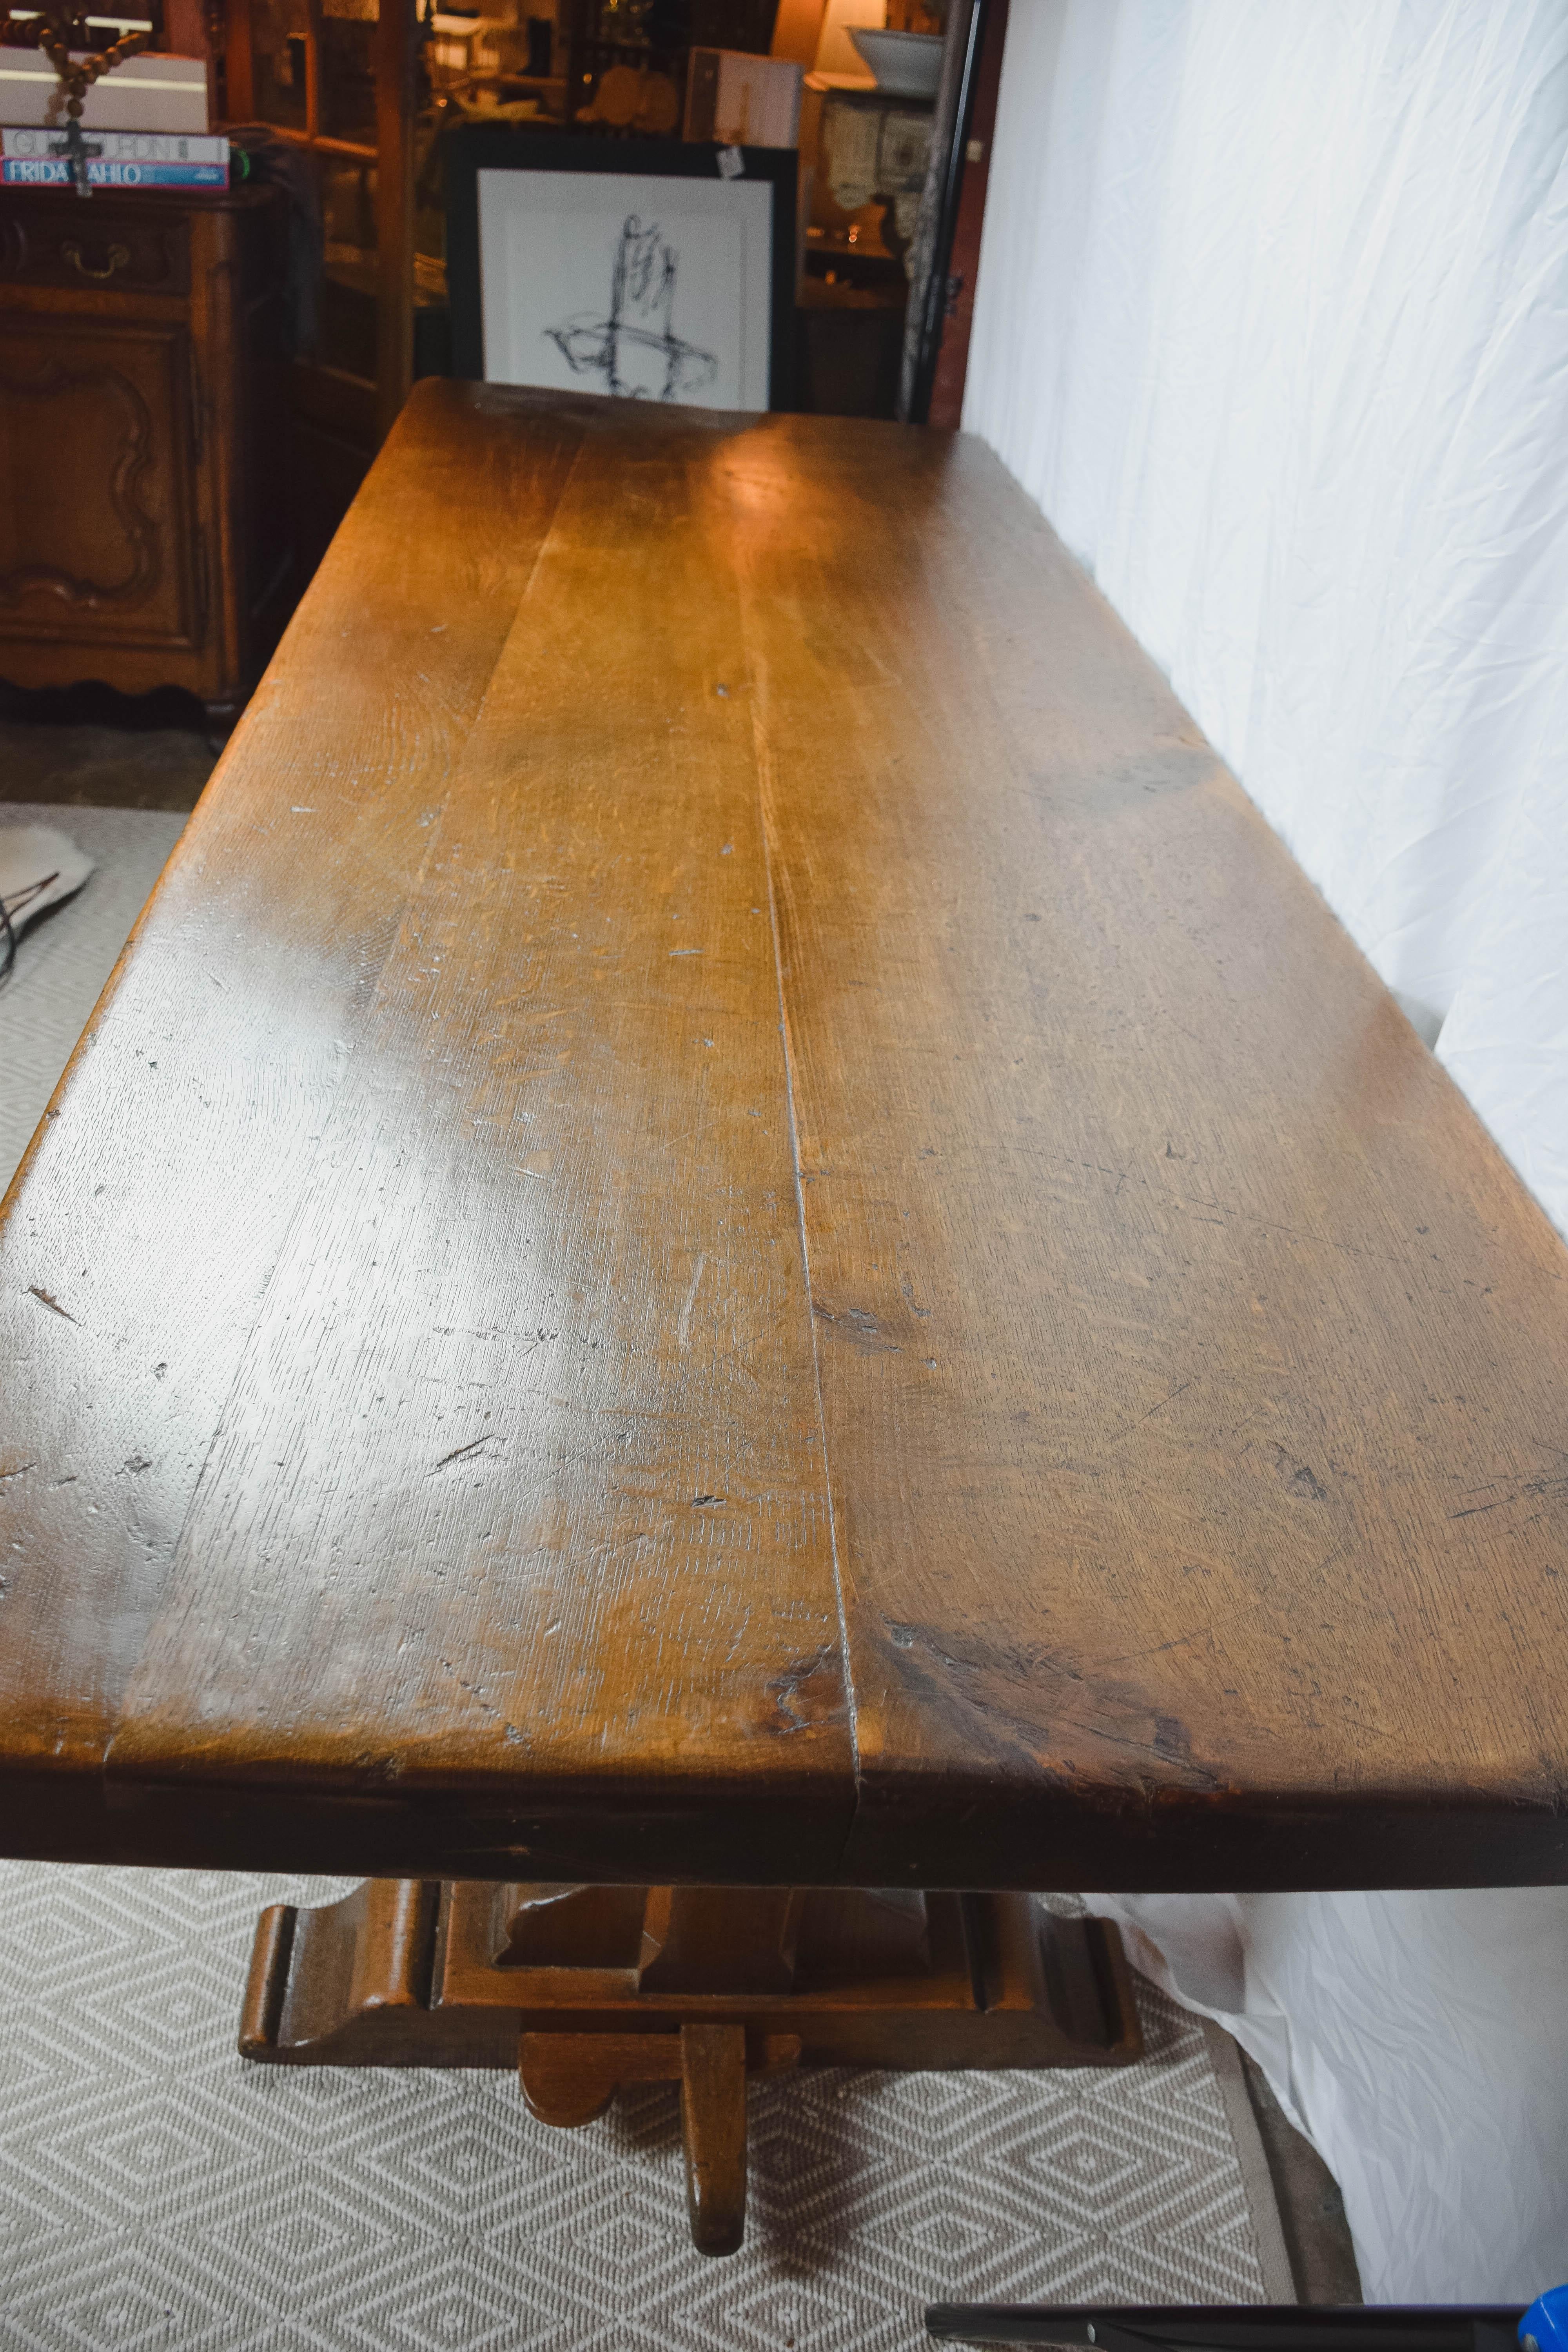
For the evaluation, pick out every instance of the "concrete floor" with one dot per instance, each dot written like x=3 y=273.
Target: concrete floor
x=104 y=766
x=1311 y=2210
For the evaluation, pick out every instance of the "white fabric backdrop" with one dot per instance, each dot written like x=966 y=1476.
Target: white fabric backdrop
x=1421 y=2042
x=1272 y=319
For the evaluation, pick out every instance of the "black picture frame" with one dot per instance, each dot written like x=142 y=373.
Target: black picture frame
x=478 y=147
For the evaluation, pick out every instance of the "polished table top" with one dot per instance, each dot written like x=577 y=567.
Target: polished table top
x=734 y=1218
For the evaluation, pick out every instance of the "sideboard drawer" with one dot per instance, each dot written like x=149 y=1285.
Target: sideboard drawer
x=96 y=245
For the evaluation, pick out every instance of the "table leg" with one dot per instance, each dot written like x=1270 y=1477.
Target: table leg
x=713 y=2126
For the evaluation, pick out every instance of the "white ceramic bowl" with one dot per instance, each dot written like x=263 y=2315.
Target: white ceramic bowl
x=906 y=65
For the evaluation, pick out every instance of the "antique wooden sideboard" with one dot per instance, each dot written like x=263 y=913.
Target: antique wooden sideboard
x=145 y=523
x=737 y=1268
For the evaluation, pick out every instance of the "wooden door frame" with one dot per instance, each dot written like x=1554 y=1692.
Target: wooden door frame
x=947 y=241
x=945 y=405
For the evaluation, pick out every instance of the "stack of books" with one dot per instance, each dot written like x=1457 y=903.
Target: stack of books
x=147 y=119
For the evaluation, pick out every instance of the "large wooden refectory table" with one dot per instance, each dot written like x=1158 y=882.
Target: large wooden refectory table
x=735 y=1235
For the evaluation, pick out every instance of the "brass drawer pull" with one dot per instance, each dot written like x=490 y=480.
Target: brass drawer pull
x=119 y=258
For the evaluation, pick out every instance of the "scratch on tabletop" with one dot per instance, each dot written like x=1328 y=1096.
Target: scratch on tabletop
x=52 y=1304
x=457 y=1453
x=1153 y=1409
x=1526 y=1486
x=20 y=1472
x=684 y=1331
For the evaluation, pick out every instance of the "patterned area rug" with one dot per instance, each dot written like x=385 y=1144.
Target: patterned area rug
x=155 y=2191
x=63 y=961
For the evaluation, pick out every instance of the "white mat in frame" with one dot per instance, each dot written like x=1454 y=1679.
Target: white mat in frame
x=642 y=286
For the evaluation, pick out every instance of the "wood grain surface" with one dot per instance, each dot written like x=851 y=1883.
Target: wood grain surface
x=734 y=1220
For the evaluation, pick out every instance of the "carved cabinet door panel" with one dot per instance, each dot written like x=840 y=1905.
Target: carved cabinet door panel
x=105 y=546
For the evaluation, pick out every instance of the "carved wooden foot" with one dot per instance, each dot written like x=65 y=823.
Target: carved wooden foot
x=714 y=2126
x=570 y=2078
x=587 y=1988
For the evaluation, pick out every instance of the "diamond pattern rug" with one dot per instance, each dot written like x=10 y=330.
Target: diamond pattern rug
x=155 y=2191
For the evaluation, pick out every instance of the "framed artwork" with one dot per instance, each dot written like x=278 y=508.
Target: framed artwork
x=632 y=268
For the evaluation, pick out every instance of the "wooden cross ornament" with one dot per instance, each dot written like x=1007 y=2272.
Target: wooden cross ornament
x=62 y=34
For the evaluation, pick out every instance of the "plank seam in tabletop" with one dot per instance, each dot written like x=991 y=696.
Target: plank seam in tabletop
x=763 y=757
x=606 y=817
x=928 y=756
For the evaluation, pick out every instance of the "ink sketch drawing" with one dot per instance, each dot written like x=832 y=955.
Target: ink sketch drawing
x=636 y=352
x=632 y=285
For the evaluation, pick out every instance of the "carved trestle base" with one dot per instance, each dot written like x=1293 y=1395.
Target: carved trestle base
x=584 y=1989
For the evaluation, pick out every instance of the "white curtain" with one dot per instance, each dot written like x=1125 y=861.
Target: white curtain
x=1272 y=320
x=1420 y=2040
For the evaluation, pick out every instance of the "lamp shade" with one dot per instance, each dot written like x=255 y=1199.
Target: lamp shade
x=836 y=52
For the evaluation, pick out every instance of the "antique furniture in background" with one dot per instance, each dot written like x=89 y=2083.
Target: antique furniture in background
x=143 y=539
x=734 y=1230
x=364 y=89
x=865 y=155
x=340 y=82
x=367 y=93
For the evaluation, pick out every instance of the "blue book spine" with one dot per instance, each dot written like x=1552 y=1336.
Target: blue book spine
x=52 y=171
